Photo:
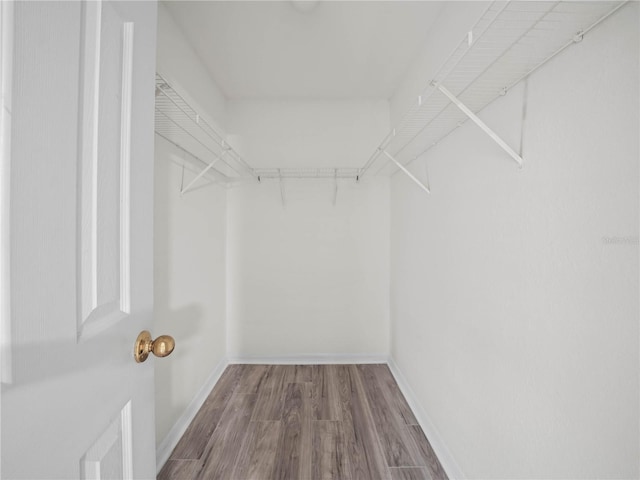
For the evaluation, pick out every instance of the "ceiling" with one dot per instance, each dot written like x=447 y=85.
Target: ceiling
x=306 y=49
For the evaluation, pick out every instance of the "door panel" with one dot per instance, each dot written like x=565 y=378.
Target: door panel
x=81 y=276
x=107 y=74
x=111 y=456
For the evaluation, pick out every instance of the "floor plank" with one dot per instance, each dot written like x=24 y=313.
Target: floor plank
x=429 y=457
x=290 y=442
x=252 y=378
x=303 y=422
x=257 y=458
x=224 y=445
x=325 y=399
x=270 y=401
x=409 y=473
x=178 y=469
x=397 y=400
x=298 y=373
x=329 y=457
x=306 y=447
x=397 y=444
x=366 y=460
x=195 y=438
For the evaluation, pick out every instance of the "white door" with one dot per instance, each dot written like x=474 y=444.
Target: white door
x=79 y=287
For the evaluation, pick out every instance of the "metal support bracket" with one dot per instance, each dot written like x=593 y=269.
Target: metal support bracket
x=199 y=176
x=407 y=172
x=426 y=176
x=496 y=138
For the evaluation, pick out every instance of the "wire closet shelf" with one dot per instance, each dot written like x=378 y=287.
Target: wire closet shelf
x=510 y=41
x=204 y=146
x=207 y=149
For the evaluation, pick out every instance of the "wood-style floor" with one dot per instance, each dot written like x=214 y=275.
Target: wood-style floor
x=303 y=422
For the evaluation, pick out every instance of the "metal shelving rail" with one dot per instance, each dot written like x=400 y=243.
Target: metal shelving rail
x=330 y=173
x=281 y=174
x=179 y=123
x=510 y=41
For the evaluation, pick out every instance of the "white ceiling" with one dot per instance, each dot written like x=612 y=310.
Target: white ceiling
x=335 y=50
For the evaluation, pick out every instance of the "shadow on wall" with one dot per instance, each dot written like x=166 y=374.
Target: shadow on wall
x=189 y=283
x=183 y=323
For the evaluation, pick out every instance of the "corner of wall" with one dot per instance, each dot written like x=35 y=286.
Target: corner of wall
x=193 y=273
x=164 y=449
x=180 y=64
x=436 y=441
x=227 y=273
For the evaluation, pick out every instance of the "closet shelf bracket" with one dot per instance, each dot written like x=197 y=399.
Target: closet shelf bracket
x=407 y=172
x=485 y=128
x=199 y=176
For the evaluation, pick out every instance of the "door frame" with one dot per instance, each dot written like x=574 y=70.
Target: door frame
x=6 y=71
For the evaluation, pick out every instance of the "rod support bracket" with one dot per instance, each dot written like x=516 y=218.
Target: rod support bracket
x=407 y=172
x=485 y=128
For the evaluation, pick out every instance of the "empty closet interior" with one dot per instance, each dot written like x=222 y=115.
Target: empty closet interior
x=447 y=187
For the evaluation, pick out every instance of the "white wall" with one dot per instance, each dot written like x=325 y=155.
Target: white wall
x=189 y=286
x=514 y=319
x=309 y=277
x=190 y=243
x=182 y=68
x=297 y=133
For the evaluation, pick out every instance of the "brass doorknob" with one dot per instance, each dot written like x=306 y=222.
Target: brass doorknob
x=160 y=347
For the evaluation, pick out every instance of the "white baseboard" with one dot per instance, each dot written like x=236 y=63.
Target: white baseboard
x=435 y=439
x=163 y=451
x=318 y=359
